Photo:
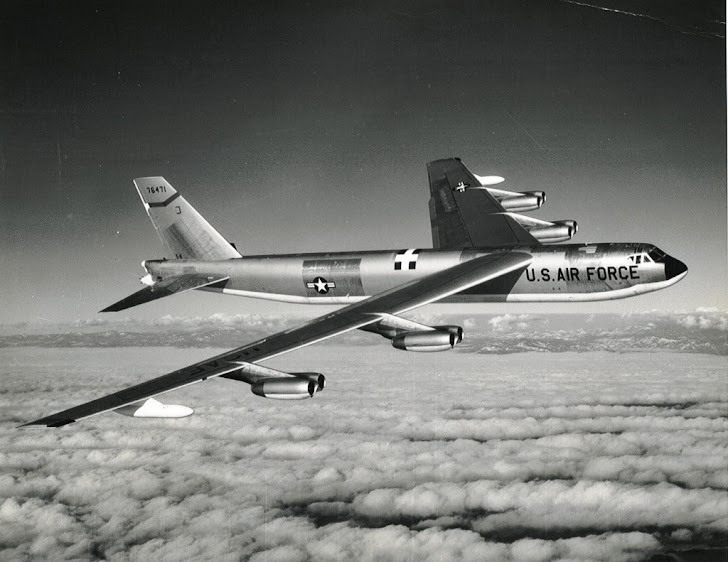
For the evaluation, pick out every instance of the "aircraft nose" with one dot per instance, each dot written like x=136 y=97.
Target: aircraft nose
x=674 y=267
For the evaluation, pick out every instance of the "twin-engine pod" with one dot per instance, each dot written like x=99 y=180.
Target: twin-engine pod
x=285 y=388
x=558 y=231
x=518 y=201
x=547 y=232
x=457 y=331
x=524 y=202
x=430 y=340
x=270 y=383
x=317 y=378
x=411 y=336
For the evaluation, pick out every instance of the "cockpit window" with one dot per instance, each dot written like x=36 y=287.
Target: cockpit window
x=657 y=255
x=640 y=258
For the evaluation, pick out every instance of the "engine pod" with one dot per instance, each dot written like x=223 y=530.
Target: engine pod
x=525 y=202
x=430 y=340
x=455 y=330
x=318 y=378
x=558 y=231
x=288 y=388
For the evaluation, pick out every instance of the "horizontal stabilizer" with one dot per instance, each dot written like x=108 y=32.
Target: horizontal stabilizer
x=164 y=289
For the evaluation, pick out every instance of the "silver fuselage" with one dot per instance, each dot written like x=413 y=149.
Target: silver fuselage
x=583 y=272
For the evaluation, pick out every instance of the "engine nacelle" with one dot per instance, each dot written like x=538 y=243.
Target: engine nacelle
x=559 y=231
x=285 y=388
x=430 y=340
x=527 y=201
x=318 y=378
x=457 y=331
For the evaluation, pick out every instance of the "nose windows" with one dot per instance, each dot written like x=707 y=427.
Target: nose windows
x=640 y=258
x=657 y=255
x=650 y=254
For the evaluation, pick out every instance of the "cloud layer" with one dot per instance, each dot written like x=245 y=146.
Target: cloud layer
x=453 y=456
x=700 y=331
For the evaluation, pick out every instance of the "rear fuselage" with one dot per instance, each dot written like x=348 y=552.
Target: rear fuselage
x=583 y=272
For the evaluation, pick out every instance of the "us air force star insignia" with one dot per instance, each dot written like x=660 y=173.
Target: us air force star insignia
x=321 y=285
x=408 y=257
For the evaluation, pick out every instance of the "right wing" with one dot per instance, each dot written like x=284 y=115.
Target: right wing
x=468 y=218
x=395 y=301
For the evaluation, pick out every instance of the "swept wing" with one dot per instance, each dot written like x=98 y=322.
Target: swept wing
x=464 y=215
x=395 y=301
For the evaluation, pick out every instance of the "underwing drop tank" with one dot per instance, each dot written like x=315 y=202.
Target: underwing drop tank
x=152 y=408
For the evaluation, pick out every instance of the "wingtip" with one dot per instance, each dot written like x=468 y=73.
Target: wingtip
x=44 y=423
x=117 y=306
x=31 y=425
x=123 y=304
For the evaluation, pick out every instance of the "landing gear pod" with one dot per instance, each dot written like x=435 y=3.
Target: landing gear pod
x=152 y=408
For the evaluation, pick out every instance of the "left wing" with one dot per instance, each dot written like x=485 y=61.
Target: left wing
x=395 y=301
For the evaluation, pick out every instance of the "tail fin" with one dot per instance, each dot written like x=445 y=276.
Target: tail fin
x=182 y=229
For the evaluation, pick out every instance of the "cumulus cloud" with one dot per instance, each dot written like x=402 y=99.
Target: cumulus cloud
x=705 y=319
x=512 y=322
x=454 y=456
x=701 y=331
x=553 y=505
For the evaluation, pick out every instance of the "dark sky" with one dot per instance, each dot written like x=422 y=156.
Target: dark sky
x=306 y=127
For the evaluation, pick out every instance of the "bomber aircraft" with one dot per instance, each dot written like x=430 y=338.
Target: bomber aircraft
x=484 y=250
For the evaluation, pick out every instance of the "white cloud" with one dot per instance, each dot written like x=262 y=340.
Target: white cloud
x=705 y=319
x=701 y=331
x=452 y=456
x=512 y=322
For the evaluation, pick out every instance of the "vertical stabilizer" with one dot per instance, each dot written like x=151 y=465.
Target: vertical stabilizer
x=182 y=229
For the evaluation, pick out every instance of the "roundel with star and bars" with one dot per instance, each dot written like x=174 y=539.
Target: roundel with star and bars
x=321 y=285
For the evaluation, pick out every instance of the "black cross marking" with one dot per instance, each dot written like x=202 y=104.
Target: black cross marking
x=406 y=256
